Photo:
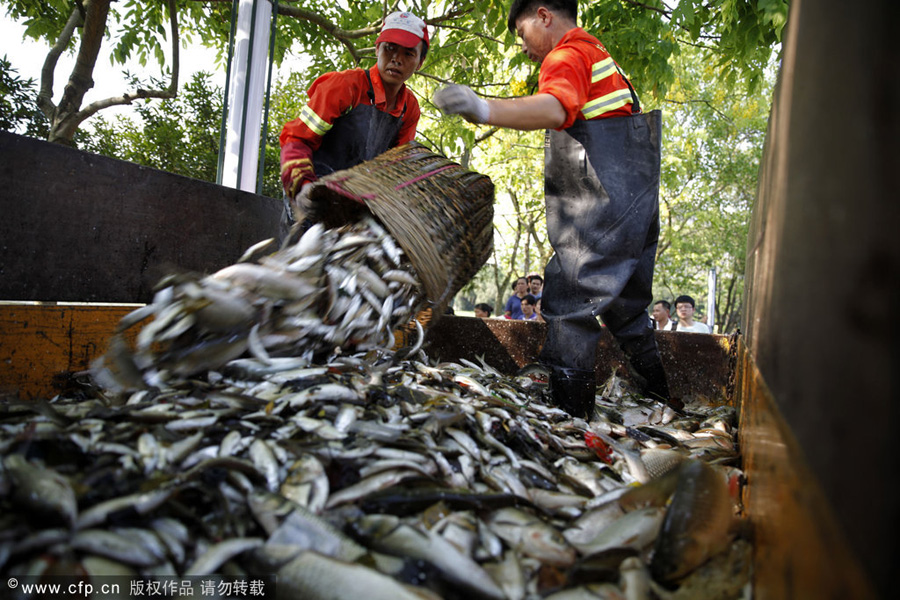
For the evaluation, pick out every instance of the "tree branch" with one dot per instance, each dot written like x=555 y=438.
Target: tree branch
x=323 y=23
x=129 y=97
x=96 y=13
x=45 y=96
x=352 y=34
x=648 y=7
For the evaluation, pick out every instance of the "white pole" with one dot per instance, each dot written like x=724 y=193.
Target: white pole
x=711 y=300
x=247 y=95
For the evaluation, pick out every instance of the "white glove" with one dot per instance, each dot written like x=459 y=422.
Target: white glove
x=461 y=100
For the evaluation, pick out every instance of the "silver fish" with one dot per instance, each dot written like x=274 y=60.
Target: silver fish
x=115 y=546
x=264 y=460
x=388 y=534
x=312 y=576
x=510 y=575
x=218 y=554
x=637 y=529
x=369 y=485
x=298 y=528
x=531 y=536
x=141 y=503
x=41 y=490
x=634 y=579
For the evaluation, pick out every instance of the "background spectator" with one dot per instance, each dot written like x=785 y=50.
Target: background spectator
x=513 y=308
x=684 y=307
x=483 y=310
x=661 y=316
x=535 y=285
x=527 y=304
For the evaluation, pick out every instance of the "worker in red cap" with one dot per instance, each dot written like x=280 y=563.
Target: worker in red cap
x=353 y=116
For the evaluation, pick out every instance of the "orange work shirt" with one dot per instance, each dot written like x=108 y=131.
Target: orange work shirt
x=581 y=74
x=331 y=96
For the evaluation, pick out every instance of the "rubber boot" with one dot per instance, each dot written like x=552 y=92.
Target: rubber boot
x=653 y=376
x=574 y=391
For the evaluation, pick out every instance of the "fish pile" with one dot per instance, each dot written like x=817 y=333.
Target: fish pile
x=376 y=475
x=348 y=287
x=262 y=425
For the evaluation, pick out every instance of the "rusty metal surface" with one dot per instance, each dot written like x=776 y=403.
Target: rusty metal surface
x=82 y=227
x=697 y=365
x=800 y=550
x=823 y=263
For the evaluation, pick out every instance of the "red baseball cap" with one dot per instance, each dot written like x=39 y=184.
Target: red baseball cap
x=404 y=29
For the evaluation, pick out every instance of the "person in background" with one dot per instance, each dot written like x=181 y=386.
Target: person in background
x=513 y=308
x=601 y=187
x=528 y=304
x=353 y=116
x=535 y=285
x=684 y=308
x=537 y=311
x=661 y=312
x=483 y=310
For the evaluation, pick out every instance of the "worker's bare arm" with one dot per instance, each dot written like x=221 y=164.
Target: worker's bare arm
x=540 y=111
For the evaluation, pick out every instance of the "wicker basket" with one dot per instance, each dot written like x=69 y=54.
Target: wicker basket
x=440 y=213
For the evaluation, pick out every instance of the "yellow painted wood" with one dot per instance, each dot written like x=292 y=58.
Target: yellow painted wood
x=42 y=344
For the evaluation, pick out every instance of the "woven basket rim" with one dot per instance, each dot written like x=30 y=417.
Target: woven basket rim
x=386 y=186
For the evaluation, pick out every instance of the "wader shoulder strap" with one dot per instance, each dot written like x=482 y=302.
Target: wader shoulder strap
x=371 y=94
x=635 y=103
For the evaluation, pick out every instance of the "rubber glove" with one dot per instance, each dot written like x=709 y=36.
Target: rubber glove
x=461 y=100
x=304 y=206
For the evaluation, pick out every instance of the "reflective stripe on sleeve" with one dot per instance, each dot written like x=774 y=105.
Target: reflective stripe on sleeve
x=318 y=125
x=606 y=103
x=603 y=69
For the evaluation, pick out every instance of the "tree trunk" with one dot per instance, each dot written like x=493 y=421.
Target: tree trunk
x=65 y=118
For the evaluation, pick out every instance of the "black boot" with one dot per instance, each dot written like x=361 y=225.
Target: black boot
x=574 y=391
x=654 y=383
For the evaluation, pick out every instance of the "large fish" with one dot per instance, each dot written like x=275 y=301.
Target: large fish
x=697 y=522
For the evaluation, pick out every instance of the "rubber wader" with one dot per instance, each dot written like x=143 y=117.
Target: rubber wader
x=602 y=193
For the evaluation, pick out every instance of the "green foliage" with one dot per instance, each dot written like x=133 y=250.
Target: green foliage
x=44 y=19
x=470 y=42
x=18 y=111
x=180 y=136
x=712 y=144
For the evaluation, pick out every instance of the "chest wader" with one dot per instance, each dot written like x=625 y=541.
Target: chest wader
x=357 y=136
x=601 y=182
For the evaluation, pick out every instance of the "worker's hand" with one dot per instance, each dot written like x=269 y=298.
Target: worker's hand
x=461 y=100
x=304 y=207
